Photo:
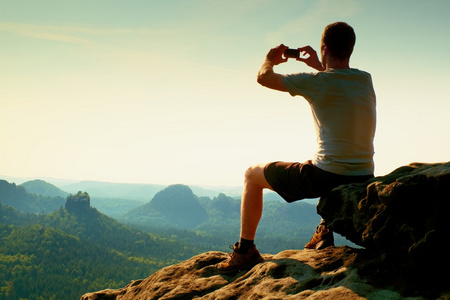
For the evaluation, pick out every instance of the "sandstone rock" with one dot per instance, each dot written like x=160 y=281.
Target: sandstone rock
x=78 y=203
x=402 y=216
x=292 y=274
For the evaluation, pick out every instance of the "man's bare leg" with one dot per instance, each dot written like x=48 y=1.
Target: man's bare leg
x=252 y=200
x=245 y=255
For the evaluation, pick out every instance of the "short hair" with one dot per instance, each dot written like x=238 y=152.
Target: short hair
x=340 y=39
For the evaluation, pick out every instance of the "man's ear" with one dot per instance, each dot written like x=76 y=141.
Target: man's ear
x=324 y=49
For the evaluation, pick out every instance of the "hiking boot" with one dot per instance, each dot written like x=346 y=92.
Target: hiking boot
x=322 y=238
x=238 y=261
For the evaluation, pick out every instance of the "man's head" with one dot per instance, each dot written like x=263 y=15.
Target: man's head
x=339 y=39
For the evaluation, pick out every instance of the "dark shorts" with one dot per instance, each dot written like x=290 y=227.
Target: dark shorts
x=296 y=181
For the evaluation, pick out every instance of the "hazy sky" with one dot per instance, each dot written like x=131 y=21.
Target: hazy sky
x=165 y=91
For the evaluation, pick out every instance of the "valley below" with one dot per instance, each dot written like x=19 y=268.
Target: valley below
x=70 y=237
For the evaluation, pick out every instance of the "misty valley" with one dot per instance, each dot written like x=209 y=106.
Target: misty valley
x=59 y=242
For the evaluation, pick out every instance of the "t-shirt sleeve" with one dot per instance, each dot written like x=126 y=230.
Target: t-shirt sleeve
x=302 y=84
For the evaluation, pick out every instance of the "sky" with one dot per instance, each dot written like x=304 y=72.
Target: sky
x=165 y=92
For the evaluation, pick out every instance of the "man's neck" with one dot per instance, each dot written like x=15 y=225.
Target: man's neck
x=338 y=64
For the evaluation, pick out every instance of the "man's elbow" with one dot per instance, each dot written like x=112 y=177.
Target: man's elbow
x=271 y=81
x=263 y=79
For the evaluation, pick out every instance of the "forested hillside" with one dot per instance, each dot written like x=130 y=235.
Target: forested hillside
x=47 y=263
x=69 y=251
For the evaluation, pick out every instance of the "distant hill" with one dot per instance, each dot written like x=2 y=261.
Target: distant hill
x=176 y=206
x=111 y=206
x=41 y=187
x=283 y=225
x=115 y=199
x=96 y=189
x=19 y=198
x=139 y=191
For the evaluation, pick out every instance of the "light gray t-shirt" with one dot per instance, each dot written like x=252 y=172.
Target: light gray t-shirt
x=343 y=105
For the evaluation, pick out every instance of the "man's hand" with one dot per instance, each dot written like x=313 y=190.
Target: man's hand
x=309 y=56
x=275 y=55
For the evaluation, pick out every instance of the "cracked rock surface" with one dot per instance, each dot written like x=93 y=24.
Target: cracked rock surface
x=292 y=274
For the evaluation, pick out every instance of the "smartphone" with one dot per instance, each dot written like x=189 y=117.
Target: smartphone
x=292 y=53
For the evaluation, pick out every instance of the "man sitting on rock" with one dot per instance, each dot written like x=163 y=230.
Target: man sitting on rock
x=342 y=101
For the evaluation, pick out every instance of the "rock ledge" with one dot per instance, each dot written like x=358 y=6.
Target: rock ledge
x=331 y=273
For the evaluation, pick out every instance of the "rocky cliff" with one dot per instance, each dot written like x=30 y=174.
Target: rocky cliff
x=400 y=219
x=78 y=203
x=403 y=217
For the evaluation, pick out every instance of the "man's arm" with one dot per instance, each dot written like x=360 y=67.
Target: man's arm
x=266 y=76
